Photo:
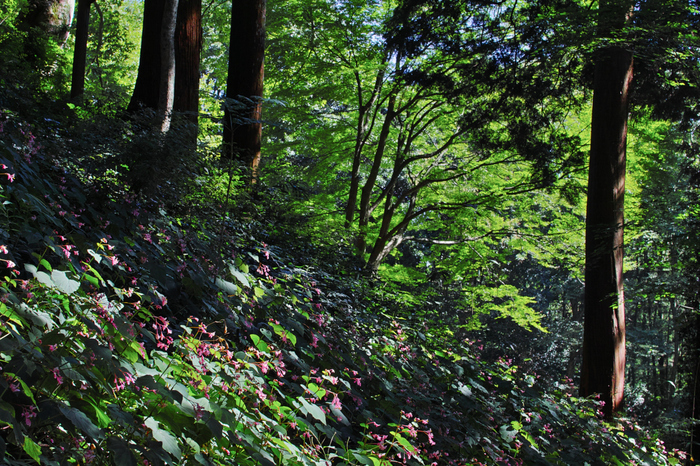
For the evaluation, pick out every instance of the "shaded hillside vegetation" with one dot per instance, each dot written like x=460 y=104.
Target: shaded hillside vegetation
x=178 y=324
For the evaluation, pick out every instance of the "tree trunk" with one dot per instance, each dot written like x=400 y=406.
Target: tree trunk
x=365 y=123
x=242 y=126
x=603 y=369
x=52 y=16
x=147 y=88
x=188 y=46
x=77 y=88
x=366 y=196
x=167 y=66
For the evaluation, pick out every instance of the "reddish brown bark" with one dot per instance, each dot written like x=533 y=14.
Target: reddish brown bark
x=188 y=47
x=242 y=125
x=603 y=370
x=77 y=88
x=147 y=87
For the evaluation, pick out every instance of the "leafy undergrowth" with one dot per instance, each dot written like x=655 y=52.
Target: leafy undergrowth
x=127 y=340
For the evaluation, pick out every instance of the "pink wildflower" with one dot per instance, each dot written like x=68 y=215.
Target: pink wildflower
x=57 y=375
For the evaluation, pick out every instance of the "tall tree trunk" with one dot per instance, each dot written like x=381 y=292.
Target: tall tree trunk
x=147 y=88
x=188 y=47
x=77 y=88
x=242 y=126
x=603 y=367
x=167 y=65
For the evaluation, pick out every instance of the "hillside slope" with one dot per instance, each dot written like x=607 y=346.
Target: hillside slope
x=132 y=335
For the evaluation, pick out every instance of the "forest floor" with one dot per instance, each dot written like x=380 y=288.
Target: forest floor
x=175 y=324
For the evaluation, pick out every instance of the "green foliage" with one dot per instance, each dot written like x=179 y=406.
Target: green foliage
x=127 y=338
x=113 y=53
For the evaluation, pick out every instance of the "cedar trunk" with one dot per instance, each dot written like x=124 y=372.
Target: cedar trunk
x=77 y=88
x=188 y=46
x=242 y=125
x=167 y=65
x=603 y=369
x=147 y=88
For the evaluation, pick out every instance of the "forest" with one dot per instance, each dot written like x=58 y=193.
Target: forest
x=349 y=232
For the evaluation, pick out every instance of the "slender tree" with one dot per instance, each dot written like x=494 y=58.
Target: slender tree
x=80 y=52
x=603 y=369
x=244 y=86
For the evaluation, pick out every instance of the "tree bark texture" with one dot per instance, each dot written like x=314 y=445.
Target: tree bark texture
x=52 y=16
x=603 y=368
x=147 y=88
x=77 y=88
x=242 y=125
x=188 y=47
x=167 y=66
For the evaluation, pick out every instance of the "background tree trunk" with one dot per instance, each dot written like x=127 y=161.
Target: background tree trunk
x=242 y=126
x=188 y=47
x=603 y=368
x=167 y=65
x=77 y=88
x=52 y=16
x=147 y=88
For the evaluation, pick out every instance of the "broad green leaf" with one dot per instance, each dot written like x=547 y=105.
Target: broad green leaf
x=166 y=438
x=316 y=390
x=81 y=421
x=93 y=281
x=369 y=461
x=404 y=443
x=46 y=265
x=12 y=315
x=261 y=345
x=63 y=283
x=227 y=287
x=313 y=410
x=240 y=276
x=508 y=434
x=96 y=256
x=32 y=449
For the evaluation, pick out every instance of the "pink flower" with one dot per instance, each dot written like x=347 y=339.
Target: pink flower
x=57 y=375
x=28 y=413
x=198 y=412
x=3 y=249
x=336 y=402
